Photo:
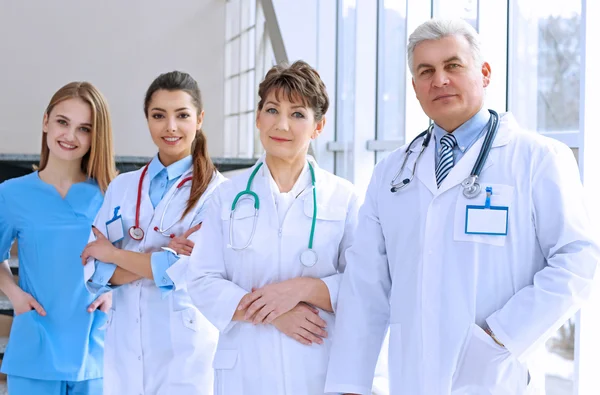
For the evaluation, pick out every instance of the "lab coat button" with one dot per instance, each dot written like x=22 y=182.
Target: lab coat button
x=139 y=358
x=137 y=320
x=164 y=280
x=141 y=249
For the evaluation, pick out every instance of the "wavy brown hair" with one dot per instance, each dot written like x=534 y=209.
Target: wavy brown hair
x=98 y=163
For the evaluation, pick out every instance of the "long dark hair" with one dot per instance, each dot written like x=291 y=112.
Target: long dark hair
x=203 y=166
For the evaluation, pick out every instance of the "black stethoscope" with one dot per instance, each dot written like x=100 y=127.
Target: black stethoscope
x=471 y=187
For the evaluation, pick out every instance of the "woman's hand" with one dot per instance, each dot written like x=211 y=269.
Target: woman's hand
x=303 y=324
x=181 y=245
x=264 y=305
x=101 y=249
x=23 y=302
x=102 y=303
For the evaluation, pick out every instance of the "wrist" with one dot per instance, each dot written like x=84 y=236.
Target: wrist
x=13 y=291
x=302 y=286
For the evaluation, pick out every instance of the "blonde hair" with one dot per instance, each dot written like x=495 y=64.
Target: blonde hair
x=98 y=163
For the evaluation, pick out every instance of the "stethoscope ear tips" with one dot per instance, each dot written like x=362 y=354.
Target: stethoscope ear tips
x=394 y=189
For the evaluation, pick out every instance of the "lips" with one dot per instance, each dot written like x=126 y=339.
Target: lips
x=67 y=146
x=446 y=96
x=279 y=139
x=171 y=140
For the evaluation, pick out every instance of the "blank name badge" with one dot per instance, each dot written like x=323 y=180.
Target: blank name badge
x=492 y=220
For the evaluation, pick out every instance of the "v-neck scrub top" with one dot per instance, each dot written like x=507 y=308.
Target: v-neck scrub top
x=52 y=231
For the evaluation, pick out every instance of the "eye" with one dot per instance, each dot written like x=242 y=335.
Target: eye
x=426 y=71
x=453 y=66
x=62 y=122
x=184 y=116
x=85 y=129
x=298 y=114
x=157 y=116
x=271 y=111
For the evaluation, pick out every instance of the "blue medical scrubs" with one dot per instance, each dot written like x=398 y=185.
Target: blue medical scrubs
x=61 y=350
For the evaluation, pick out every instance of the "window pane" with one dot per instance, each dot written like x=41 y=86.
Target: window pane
x=544 y=72
x=464 y=9
x=346 y=75
x=244 y=54
x=234 y=98
x=234 y=55
x=233 y=18
x=392 y=69
x=231 y=136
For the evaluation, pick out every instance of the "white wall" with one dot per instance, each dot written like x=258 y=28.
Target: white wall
x=120 y=46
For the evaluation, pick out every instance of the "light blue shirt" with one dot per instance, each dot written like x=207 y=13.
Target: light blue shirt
x=161 y=180
x=466 y=134
x=51 y=232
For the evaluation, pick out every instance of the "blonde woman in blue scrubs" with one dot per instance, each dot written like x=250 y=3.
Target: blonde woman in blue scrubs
x=56 y=345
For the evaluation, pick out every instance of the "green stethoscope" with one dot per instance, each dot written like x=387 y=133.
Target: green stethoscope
x=309 y=256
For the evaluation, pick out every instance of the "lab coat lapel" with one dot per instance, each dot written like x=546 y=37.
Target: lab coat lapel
x=425 y=167
x=262 y=187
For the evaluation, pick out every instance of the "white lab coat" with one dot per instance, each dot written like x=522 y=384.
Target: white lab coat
x=413 y=264
x=258 y=359
x=155 y=344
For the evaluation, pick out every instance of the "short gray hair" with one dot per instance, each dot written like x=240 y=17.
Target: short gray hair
x=436 y=29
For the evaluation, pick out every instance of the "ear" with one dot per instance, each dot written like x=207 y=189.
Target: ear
x=45 y=123
x=200 y=120
x=486 y=71
x=318 y=128
x=258 y=119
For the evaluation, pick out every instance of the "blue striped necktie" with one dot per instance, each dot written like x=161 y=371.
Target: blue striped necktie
x=446 y=162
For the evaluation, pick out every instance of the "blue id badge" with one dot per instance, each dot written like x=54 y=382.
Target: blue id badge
x=488 y=219
x=114 y=227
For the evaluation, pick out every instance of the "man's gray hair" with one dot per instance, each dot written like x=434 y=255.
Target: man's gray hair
x=436 y=29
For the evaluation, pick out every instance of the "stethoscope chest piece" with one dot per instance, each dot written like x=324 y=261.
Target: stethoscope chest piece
x=309 y=257
x=471 y=187
x=136 y=233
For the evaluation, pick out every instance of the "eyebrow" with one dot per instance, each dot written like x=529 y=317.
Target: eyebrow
x=294 y=106
x=67 y=119
x=449 y=60
x=163 y=110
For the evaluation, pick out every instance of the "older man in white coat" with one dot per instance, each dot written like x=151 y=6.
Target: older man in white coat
x=469 y=283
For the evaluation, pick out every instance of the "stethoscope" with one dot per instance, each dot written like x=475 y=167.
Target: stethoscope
x=135 y=231
x=471 y=187
x=308 y=257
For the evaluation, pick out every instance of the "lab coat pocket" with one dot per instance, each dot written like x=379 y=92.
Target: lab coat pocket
x=485 y=368
x=329 y=230
x=225 y=381
x=502 y=196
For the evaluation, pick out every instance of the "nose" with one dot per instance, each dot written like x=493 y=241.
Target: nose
x=282 y=123
x=172 y=125
x=440 y=79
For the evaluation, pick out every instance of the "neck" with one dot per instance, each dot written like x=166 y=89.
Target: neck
x=285 y=172
x=168 y=160
x=62 y=172
x=451 y=124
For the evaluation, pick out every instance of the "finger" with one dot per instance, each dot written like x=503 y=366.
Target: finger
x=38 y=307
x=188 y=243
x=97 y=233
x=308 y=307
x=94 y=305
x=104 y=307
x=187 y=250
x=262 y=314
x=307 y=335
x=192 y=230
x=314 y=329
x=301 y=339
x=254 y=308
x=248 y=299
x=84 y=256
x=315 y=319
x=274 y=314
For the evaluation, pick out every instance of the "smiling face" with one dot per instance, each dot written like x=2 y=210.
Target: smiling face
x=287 y=127
x=68 y=129
x=447 y=82
x=173 y=120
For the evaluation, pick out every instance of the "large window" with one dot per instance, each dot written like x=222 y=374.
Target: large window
x=391 y=74
x=240 y=88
